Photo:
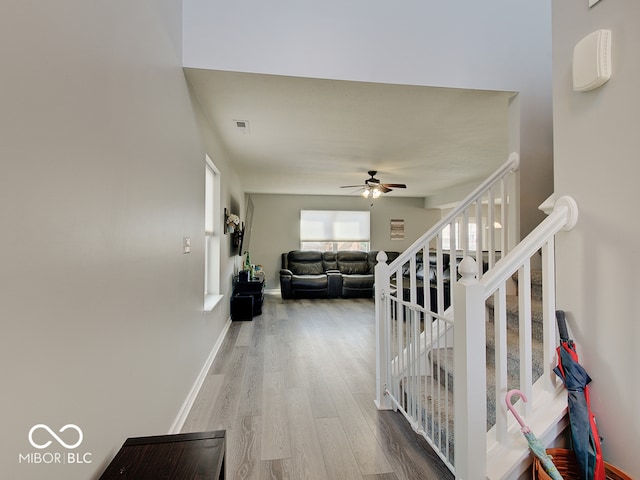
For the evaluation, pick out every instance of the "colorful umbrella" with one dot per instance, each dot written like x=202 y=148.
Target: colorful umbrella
x=584 y=432
x=535 y=445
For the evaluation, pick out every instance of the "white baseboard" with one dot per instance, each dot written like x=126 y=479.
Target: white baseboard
x=178 y=423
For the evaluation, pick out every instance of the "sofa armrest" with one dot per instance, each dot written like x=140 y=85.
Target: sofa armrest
x=334 y=283
x=285 y=283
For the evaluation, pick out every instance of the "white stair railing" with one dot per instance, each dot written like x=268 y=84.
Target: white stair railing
x=422 y=326
x=413 y=299
x=501 y=452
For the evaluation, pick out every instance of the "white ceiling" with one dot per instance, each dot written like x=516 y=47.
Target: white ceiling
x=309 y=136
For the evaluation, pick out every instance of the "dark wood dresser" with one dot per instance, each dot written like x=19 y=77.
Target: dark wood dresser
x=184 y=456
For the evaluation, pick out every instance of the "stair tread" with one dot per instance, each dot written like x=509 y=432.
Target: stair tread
x=536 y=276
x=513 y=307
x=513 y=344
x=445 y=365
x=512 y=380
x=438 y=425
x=437 y=417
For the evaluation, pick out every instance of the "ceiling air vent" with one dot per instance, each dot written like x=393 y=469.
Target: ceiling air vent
x=242 y=126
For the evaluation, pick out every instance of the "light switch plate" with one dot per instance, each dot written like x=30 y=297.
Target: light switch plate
x=186 y=244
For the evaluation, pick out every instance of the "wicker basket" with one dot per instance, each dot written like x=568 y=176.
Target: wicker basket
x=565 y=462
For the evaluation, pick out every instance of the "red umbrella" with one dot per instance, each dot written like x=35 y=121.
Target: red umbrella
x=584 y=432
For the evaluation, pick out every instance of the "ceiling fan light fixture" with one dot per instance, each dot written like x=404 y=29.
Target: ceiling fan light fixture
x=373 y=187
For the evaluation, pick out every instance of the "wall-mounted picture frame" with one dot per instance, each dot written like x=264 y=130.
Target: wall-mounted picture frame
x=397 y=229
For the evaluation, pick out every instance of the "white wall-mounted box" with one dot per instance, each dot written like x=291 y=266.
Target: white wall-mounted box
x=592 y=61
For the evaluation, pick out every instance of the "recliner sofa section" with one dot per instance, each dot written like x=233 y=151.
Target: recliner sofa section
x=431 y=276
x=315 y=274
x=309 y=274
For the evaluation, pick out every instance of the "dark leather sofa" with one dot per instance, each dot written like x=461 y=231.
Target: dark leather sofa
x=431 y=277
x=348 y=274
x=315 y=274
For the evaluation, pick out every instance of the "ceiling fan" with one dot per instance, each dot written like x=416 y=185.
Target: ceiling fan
x=372 y=186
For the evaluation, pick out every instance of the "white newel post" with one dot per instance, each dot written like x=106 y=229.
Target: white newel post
x=382 y=287
x=469 y=381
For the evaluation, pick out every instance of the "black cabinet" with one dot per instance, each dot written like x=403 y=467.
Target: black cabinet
x=171 y=457
x=246 y=301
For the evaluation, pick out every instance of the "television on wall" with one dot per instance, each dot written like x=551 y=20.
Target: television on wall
x=245 y=238
x=235 y=237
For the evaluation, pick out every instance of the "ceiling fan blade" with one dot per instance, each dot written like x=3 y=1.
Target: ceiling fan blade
x=374 y=185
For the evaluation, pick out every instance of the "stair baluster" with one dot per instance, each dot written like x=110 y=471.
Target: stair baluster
x=418 y=338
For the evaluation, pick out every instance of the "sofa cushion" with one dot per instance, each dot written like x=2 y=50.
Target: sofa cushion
x=353 y=263
x=309 y=282
x=357 y=286
x=305 y=262
x=306 y=268
x=358 y=281
x=329 y=261
x=353 y=268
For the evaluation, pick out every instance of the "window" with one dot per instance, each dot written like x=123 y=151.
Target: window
x=330 y=230
x=471 y=235
x=211 y=236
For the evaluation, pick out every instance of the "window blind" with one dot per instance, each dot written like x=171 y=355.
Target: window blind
x=334 y=225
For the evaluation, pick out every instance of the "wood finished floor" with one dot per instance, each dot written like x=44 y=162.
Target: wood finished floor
x=294 y=390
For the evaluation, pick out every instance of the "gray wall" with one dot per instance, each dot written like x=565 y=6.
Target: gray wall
x=596 y=161
x=276 y=224
x=102 y=174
